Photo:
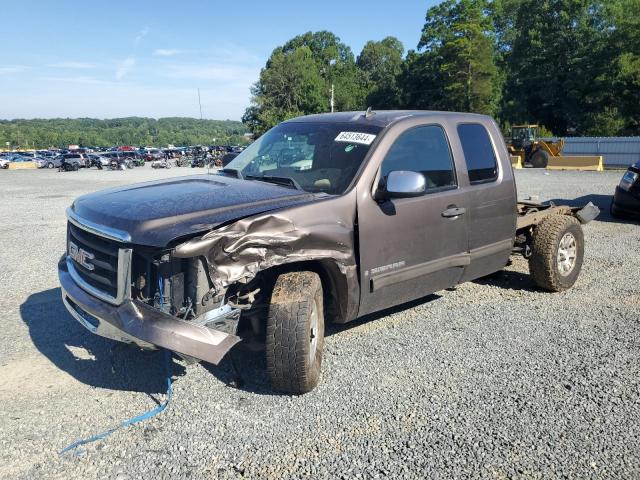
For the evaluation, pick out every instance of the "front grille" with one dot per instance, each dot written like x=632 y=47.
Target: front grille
x=106 y=257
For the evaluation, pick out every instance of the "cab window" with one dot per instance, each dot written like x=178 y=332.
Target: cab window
x=425 y=150
x=478 y=153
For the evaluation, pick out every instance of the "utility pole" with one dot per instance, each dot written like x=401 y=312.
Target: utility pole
x=199 y=104
x=332 y=97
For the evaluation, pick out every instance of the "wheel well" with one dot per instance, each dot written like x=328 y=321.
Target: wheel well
x=334 y=285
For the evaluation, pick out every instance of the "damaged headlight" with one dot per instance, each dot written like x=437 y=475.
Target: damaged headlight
x=628 y=180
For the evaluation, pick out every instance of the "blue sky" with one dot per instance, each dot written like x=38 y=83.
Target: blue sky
x=116 y=58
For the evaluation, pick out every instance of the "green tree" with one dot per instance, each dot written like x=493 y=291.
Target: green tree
x=290 y=85
x=381 y=65
x=59 y=132
x=297 y=79
x=623 y=71
x=454 y=68
x=556 y=66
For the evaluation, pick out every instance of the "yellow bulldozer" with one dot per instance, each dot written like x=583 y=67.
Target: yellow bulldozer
x=531 y=149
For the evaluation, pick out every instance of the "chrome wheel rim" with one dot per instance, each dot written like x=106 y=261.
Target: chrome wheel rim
x=313 y=332
x=567 y=253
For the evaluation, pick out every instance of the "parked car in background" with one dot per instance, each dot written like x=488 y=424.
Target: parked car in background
x=30 y=156
x=52 y=162
x=626 y=199
x=17 y=158
x=42 y=162
x=118 y=160
x=97 y=160
x=79 y=158
x=152 y=154
x=73 y=162
x=163 y=163
x=134 y=158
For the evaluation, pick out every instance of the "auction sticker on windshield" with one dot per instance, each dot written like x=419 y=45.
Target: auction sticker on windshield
x=355 y=137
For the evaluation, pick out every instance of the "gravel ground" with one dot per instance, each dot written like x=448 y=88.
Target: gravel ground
x=494 y=379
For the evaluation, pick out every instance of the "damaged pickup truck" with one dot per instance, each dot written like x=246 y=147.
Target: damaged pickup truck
x=324 y=218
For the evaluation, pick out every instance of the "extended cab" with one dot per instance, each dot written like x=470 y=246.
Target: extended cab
x=323 y=218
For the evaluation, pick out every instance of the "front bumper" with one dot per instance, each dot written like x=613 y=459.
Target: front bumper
x=626 y=203
x=135 y=322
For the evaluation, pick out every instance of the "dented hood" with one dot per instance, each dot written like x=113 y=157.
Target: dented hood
x=156 y=213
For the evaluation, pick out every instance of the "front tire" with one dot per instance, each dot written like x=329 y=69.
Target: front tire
x=557 y=252
x=540 y=159
x=295 y=332
x=50 y=165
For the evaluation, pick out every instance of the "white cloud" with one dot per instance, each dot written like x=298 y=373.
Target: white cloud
x=166 y=52
x=143 y=33
x=9 y=69
x=125 y=66
x=74 y=65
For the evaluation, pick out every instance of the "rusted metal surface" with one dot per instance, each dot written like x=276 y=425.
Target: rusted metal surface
x=530 y=214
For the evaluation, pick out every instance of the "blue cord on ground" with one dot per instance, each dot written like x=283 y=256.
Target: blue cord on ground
x=139 y=418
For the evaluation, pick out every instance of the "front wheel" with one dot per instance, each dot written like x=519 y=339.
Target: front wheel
x=295 y=332
x=540 y=159
x=50 y=165
x=557 y=251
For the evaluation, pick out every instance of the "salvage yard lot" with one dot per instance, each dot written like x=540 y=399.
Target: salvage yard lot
x=494 y=379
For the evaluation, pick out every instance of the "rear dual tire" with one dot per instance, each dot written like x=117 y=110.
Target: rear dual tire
x=295 y=332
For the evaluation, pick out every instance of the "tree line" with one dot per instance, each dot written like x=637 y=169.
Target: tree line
x=572 y=66
x=62 y=132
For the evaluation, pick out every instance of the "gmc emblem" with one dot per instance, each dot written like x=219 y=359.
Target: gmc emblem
x=81 y=257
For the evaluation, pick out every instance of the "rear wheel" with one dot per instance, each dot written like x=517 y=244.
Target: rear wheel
x=295 y=332
x=557 y=252
x=539 y=159
x=50 y=165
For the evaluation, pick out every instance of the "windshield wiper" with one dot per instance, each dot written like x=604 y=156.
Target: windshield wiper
x=284 y=181
x=232 y=171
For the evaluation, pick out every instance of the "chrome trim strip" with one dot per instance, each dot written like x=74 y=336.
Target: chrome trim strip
x=100 y=230
x=104 y=328
x=503 y=246
x=123 y=279
x=77 y=316
x=415 y=271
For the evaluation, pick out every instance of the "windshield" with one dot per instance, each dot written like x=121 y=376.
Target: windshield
x=317 y=157
x=523 y=133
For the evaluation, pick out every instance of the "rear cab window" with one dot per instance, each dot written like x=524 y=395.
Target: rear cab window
x=479 y=153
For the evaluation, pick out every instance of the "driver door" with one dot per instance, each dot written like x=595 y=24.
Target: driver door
x=412 y=247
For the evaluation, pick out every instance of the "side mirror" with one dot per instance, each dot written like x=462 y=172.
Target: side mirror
x=402 y=184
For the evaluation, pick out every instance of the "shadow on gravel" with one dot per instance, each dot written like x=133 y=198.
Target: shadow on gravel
x=509 y=280
x=603 y=202
x=90 y=359
x=245 y=367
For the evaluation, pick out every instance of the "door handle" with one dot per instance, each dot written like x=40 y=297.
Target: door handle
x=454 y=211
